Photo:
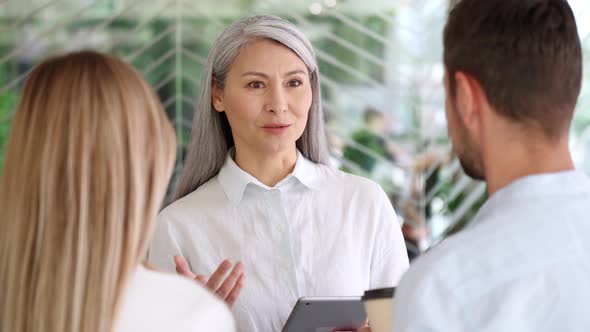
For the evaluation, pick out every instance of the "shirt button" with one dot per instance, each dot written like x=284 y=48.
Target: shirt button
x=280 y=228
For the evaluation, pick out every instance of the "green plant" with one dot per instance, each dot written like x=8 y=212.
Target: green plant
x=7 y=103
x=345 y=55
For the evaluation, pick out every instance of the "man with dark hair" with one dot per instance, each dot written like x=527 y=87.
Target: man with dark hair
x=512 y=79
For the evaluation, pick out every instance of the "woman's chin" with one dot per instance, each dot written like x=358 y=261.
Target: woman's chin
x=273 y=148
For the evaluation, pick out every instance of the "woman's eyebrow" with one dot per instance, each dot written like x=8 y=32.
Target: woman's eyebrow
x=263 y=75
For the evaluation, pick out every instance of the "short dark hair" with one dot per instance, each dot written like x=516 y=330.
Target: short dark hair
x=371 y=113
x=526 y=54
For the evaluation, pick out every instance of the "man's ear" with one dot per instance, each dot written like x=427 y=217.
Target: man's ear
x=468 y=99
x=217 y=96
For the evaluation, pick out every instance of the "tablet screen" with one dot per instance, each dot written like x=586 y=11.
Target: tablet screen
x=325 y=314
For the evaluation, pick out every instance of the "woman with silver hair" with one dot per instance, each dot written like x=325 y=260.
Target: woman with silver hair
x=256 y=188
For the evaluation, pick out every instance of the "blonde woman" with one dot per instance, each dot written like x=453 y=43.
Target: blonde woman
x=88 y=160
x=256 y=189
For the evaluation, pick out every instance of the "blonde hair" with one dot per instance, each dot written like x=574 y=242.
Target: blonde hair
x=88 y=160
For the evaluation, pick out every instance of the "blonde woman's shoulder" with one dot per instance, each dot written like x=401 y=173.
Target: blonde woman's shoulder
x=159 y=301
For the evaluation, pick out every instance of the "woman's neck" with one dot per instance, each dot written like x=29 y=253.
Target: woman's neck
x=268 y=169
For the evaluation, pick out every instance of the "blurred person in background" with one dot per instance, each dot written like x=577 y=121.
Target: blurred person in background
x=371 y=138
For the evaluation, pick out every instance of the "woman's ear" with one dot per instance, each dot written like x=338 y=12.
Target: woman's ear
x=217 y=96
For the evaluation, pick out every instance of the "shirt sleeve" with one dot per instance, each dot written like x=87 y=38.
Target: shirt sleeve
x=164 y=246
x=390 y=258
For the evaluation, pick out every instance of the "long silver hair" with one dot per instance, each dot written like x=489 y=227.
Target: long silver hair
x=211 y=136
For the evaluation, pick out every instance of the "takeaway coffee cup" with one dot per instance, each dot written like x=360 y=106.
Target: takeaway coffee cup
x=378 y=305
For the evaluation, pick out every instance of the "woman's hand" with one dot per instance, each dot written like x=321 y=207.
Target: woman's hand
x=227 y=288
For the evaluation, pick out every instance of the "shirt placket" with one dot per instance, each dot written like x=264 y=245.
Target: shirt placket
x=286 y=252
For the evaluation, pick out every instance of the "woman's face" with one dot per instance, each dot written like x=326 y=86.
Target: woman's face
x=266 y=97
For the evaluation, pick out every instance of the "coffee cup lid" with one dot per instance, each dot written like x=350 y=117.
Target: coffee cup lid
x=380 y=293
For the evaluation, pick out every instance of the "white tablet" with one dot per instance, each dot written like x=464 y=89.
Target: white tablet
x=326 y=314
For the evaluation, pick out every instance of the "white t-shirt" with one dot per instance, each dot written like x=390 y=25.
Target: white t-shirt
x=158 y=301
x=319 y=232
x=522 y=265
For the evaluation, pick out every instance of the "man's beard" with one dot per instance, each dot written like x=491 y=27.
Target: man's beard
x=467 y=151
x=471 y=170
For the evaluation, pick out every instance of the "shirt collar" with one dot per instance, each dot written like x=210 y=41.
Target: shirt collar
x=234 y=180
x=534 y=186
x=306 y=171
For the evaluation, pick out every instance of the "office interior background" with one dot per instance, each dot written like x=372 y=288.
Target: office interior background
x=381 y=70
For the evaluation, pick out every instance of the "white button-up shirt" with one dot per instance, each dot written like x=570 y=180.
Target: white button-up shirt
x=319 y=232
x=156 y=301
x=524 y=265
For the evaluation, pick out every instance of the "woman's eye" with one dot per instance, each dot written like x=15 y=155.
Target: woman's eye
x=295 y=83
x=256 y=85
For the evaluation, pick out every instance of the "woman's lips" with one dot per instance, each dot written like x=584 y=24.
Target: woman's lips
x=276 y=128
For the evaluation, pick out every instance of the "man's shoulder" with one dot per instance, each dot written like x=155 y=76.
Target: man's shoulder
x=470 y=258
x=445 y=264
x=497 y=250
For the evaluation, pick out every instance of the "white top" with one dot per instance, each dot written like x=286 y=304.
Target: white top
x=524 y=265
x=319 y=232
x=157 y=301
